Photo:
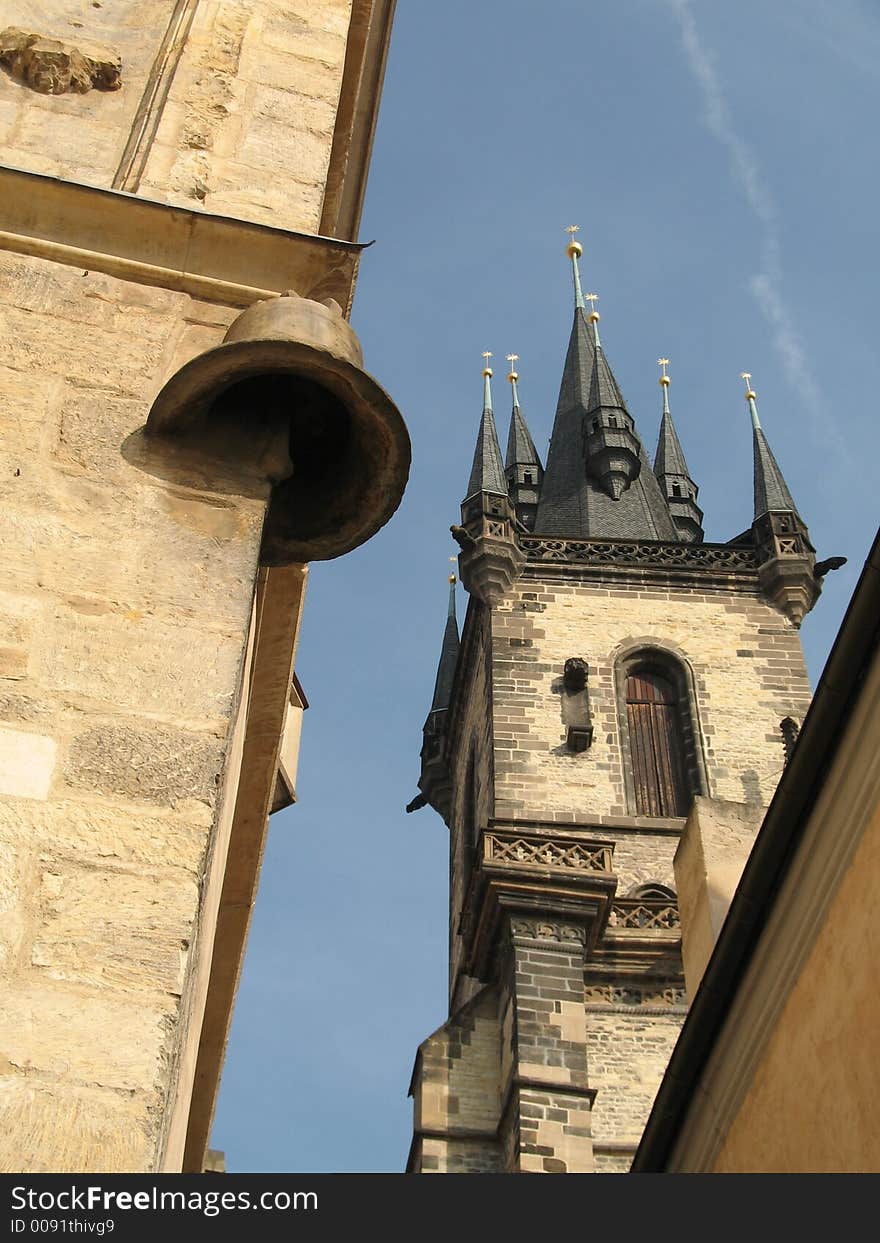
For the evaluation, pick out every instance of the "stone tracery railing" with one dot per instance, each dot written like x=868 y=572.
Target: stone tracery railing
x=637 y=552
x=644 y=914
x=546 y=851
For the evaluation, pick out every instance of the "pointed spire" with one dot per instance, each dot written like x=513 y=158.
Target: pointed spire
x=604 y=391
x=487 y=470
x=521 y=449
x=771 y=491
x=669 y=458
x=522 y=466
x=672 y=472
x=448 y=654
x=609 y=495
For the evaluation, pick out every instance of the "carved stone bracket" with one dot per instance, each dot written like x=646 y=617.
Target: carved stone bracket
x=54 y=67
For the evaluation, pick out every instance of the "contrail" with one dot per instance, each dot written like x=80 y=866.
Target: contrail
x=765 y=285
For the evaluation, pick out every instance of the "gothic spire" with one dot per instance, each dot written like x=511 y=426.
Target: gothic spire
x=448 y=656
x=594 y=485
x=434 y=783
x=522 y=466
x=672 y=473
x=771 y=491
x=786 y=558
x=487 y=471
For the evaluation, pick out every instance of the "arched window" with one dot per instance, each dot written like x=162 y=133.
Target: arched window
x=656 y=743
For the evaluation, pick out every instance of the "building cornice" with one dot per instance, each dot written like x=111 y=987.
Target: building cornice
x=217 y=258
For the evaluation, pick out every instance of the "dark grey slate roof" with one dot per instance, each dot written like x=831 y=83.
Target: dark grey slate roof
x=521 y=449
x=573 y=504
x=771 y=491
x=487 y=471
x=604 y=393
x=669 y=459
x=448 y=658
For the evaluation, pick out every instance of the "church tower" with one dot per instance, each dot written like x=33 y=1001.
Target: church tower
x=615 y=672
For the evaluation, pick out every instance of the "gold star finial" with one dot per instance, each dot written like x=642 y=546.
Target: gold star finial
x=574 y=248
x=487 y=370
x=452 y=579
x=750 y=392
x=594 y=315
x=513 y=374
x=664 y=378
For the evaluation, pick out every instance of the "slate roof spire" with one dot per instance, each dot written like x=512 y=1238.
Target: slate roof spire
x=521 y=449
x=598 y=483
x=522 y=466
x=448 y=656
x=771 y=491
x=487 y=470
x=672 y=472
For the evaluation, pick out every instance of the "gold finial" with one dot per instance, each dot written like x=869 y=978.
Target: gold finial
x=513 y=374
x=664 y=379
x=574 y=248
x=452 y=579
x=487 y=370
x=594 y=315
x=750 y=392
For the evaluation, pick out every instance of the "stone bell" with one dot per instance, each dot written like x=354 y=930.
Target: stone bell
x=286 y=394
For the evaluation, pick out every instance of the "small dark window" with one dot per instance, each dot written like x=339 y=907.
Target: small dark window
x=676 y=489
x=655 y=736
x=612 y=419
x=595 y=425
x=527 y=477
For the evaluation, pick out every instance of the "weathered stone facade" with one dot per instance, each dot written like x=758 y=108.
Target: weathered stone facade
x=145 y=656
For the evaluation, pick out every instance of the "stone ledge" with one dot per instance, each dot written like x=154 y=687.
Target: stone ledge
x=216 y=258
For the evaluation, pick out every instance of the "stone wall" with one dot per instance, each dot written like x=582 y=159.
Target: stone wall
x=230 y=106
x=127 y=605
x=129 y=569
x=747 y=667
x=470 y=735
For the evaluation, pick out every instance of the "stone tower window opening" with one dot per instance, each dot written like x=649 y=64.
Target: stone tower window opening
x=661 y=744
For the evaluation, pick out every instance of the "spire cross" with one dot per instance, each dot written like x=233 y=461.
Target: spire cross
x=452 y=579
x=513 y=376
x=574 y=250
x=663 y=363
x=594 y=315
x=750 y=398
x=487 y=370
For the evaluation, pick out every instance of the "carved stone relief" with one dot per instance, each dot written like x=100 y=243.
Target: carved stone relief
x=53 y=66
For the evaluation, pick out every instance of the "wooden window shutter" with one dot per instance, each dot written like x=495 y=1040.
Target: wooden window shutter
x=654 y=722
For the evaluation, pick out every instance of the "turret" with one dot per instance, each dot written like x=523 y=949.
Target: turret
x=672 y=473
x=434 y=782
x=522 y=466
x=786 y=558
x=490 y=558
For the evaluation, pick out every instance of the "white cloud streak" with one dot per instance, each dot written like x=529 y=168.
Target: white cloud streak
x=766 y=284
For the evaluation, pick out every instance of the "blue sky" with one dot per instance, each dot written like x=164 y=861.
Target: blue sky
x=721 y=160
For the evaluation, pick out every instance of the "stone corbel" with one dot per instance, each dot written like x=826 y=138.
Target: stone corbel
x=576 y=705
